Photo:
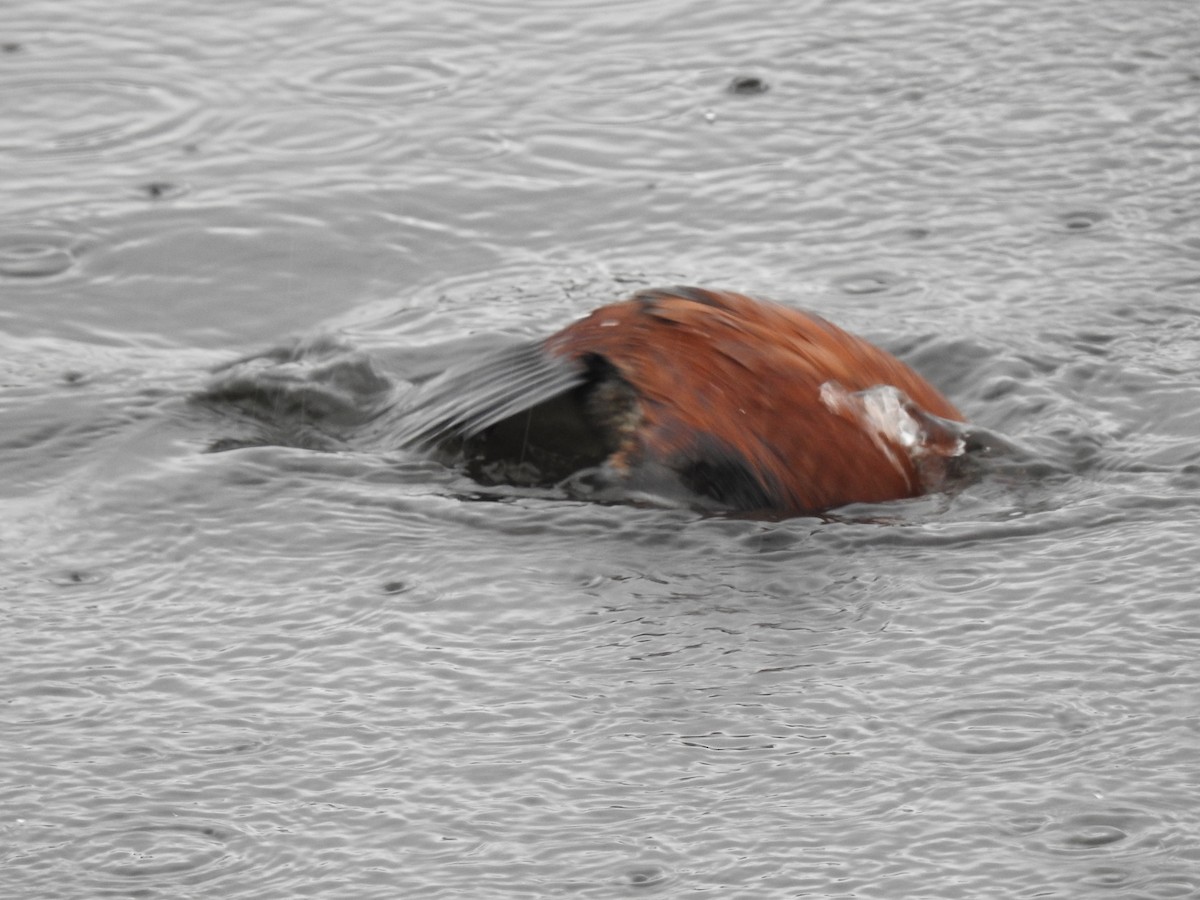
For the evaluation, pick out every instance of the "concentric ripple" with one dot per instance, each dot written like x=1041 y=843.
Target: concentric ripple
x=387 y=77
x=990 y=730
x=1088 y=830
x=164 y=848
x=371 y=68
x=56 y=703
x=80 y=116
x=34 y=258
x=319 y=132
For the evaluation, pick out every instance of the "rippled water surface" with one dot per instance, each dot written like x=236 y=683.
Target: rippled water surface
x=314 y=665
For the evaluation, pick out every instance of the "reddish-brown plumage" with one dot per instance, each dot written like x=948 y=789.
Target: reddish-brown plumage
x=751 y=405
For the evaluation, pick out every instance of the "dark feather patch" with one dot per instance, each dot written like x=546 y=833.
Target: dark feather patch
x=711 y=468
x=468 y=398
x=651 y=298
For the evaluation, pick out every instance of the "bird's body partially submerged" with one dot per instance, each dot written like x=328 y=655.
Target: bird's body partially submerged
x=739 y=404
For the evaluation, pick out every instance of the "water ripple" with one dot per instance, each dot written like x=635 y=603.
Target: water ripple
x=395 y=67
x=990 y=730
x=383 y=78
x=93 y=116
x=313 y=132
x=155 y=850
x=34 y=260
x=55 y=703
x=1088 y=831
x=40 y=253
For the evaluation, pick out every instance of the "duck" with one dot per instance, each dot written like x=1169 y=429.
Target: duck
x=702 y=396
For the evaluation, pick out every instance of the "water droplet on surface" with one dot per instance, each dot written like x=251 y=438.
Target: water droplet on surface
x=1082 y=220
x=645 y=876
x=748 y=84
x=162 y=190
x=75 y=577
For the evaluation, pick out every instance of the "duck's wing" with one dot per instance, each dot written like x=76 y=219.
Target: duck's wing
x=474 y=395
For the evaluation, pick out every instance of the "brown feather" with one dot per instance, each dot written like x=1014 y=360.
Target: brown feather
x=748 y=376
x=750 y=405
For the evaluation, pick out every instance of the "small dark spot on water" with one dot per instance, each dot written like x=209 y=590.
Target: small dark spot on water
x=73 y=577
x=11 y=47
x=644 y=876
x=1082 y=220
x=73 y=377
x=1099 y=338
x=1088 y=833
x=748 y=84
x=396 y=587
x=158 y=190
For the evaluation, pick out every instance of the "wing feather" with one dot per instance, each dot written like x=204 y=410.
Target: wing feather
x=470 y=397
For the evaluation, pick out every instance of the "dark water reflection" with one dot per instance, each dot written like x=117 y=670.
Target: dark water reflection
x=312 y=665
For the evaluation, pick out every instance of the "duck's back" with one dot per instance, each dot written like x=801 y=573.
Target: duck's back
x=760 y=401
x=750 y=405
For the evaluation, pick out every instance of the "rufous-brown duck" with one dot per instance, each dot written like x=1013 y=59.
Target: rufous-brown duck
x=704 y=396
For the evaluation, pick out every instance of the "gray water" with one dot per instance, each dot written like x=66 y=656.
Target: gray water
x=314 y=665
